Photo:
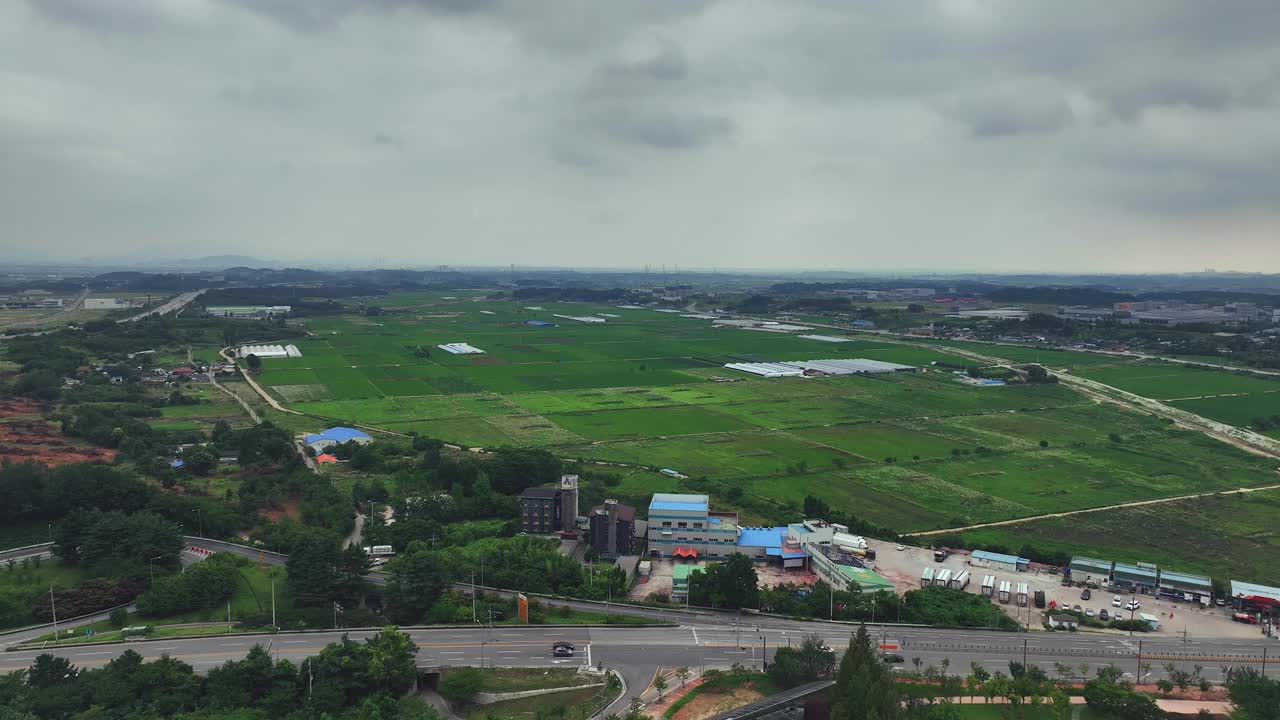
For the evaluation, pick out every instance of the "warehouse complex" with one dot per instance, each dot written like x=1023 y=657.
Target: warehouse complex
x=818 y=368
x=270 y=351
x=1143 y=577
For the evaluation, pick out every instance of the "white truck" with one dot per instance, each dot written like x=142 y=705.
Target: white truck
x=943 y=578
x=1022 y=594
x=1006 y=592
x=961 y=581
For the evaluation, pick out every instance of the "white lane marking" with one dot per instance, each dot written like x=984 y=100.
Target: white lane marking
x=453 y=653
x=459 y=636
x=105 y=652
x=510 y=652
x=232 y=645
x=293 y=642
x=171 y=647
x=588 y=654
x=695 y=635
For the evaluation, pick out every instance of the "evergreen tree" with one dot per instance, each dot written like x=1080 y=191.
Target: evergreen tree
x=864 y=688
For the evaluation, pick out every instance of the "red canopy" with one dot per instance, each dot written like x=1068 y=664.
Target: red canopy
x=685 y=552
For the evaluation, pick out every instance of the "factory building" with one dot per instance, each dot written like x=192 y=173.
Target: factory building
x=612 y=526
x=547 y=510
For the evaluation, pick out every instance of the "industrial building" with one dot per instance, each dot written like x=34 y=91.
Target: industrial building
x=254 y=312
x=843 y=577
x=109 y=303
x=270 y=351
x=460 y=349
x=336 y=436
x=999 y=561
x=680 y=524
x=818 y=368
x=612 y=525
x=546 y=510
x=1085 y=569
x=1251 y=597
x=1184 y=586
x=1141 y=575
x=590 y=319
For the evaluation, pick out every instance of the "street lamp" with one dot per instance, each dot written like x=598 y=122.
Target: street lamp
x=152 y=564
x=199 y=522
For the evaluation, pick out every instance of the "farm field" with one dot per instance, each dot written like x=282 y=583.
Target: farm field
x=648 y=390
x=1166 y=381
x=1233 y=536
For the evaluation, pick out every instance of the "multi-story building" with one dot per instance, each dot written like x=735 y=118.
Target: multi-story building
x=612 y=525
x=546 y=510
x=684 y=526
x=540 y=510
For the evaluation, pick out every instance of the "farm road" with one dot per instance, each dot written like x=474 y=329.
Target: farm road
x=1118 y=506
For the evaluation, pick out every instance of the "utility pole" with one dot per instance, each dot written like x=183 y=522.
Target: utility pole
x=273 y=602
x=1138 y=674
x=473 y=598
x=199 y=523
x=228 y=616
x=1024 y=654
x=56 y=637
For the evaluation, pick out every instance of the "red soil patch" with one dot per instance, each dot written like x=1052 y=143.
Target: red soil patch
x=289 y=508
x=36 y=440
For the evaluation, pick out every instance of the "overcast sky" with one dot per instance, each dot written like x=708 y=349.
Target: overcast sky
x=947 y=135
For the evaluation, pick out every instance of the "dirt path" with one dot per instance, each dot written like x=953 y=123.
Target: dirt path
x=1117 y=506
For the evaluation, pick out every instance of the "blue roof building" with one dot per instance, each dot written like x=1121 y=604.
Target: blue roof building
x=335 y=436
x=983 y=558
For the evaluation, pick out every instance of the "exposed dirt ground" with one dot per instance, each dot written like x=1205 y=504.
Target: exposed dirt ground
x=709 y=704
x=26 y=436
x=289 y=508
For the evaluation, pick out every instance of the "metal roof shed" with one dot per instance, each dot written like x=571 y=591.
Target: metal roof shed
x=1184 y=582
x=1091 y=567
x=1001 y=560
x=1136 y=574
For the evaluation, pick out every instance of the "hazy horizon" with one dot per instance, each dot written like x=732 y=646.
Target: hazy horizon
x=954 y=136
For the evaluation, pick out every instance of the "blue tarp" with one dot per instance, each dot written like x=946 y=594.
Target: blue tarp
x=683 y=506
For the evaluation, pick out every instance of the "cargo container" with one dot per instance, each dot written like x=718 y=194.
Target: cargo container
x=989 y=585
x=1006 y=592
x=926 y=577
x=960 y=581
x=943 y=577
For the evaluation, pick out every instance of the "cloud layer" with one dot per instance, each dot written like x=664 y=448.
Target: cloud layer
x=947 y=135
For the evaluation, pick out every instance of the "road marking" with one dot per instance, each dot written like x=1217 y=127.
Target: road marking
x=695 y=635
x=105 y=652
x=293 y=642
x=453 y=653
x=171 y=647
x=510 y=652
x=232 y=645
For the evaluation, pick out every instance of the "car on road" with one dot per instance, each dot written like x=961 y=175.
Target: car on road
x=562 y=649
x=901 y=548
x=1104 y=615
x=1116 y=601
x=1132 y=605
x=1221 y=602
x=1086 y=594
x=1088 y=612
x=1245 y=618
x=893 y=658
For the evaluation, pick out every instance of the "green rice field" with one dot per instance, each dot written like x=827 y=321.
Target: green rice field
x=647 y=390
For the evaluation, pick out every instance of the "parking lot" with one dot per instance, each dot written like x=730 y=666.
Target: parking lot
x=903 y=568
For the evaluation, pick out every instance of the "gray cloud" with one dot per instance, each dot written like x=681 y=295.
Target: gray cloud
x=716 y=132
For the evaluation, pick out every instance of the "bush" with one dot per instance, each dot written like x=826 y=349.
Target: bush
x=460 y=686
x=119 y=617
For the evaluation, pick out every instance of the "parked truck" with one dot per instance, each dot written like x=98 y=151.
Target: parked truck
x=1006 y=592
x=846 y=541
x=940 y=554
x=989 y=585
x=1040 y=598
x=960 y=581
x=943 y=577
x=926 y=577
x=1022 y=594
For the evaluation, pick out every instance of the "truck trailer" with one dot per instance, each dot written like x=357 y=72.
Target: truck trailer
x=1022 y=594
x=960 y=581
x=849 y=542
x=989 y=585
x=943 y=577
x=1006 y=592
x=926 y=577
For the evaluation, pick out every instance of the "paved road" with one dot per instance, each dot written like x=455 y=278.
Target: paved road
x=173 y=305
x=67 y=307
x=699 y=639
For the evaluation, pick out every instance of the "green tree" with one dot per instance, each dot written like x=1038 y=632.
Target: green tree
x=199 y=460
x=864 y=688
x=1255 y=696
x=312 y=567
x=806 y=662
x=660 y=684
x=730 y=584
x=253 y=362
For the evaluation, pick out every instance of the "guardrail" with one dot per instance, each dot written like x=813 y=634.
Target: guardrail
x=25 y=551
